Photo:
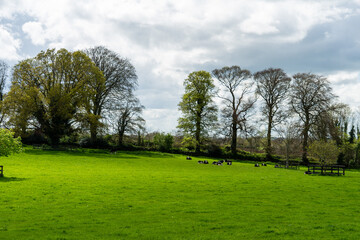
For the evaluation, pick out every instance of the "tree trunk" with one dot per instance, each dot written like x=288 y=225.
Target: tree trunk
x=121 y=137
x=305 y=140
x=197 y=135
x=234 y=138
x=93 y=133
x=268 y=145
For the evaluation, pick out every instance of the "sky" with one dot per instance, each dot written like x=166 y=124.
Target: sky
x=166 y=40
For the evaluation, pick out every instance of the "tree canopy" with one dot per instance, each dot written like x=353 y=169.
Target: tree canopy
x=311 y=95
x=197 y=106
x=50 y=90
x=272 y=85
x=120 y=78
x=234 y=80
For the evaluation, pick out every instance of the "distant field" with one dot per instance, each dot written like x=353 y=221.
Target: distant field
x=139 y=195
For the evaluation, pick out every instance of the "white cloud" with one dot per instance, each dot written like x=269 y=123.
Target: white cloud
x=161 y=119
x=346 y=85
x=342 y=77
x=166 y=40
x=9 y=45
x=35 y=32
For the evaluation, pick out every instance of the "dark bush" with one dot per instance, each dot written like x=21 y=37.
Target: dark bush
x=100 y=142
x=214 y=150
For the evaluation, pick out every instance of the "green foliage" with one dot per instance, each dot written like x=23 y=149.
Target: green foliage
x=348 y=153
x=352 y=136
x=197 y=106
x=9 y=144
x=163 y=141
x=50 y=90
x=324 y=152
x=188 y=142
x=214 y=150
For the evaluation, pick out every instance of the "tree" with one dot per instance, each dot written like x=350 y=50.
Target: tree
x=310 y=96
x=197 y=106
x=325 y=152
x=126 y=111
x=9 y=144
x=352 y=136
x=234 y=80
x=272 y=85
x=3 y=76
x=289 y=132
x=49 y=91
x=163 y=141
x=120 y=77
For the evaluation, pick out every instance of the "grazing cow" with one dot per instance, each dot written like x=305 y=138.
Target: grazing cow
x=214 y=162
x=188 y=158
x=200 y=162
x=206 y=162
x=219 y=163
x=257 y=165
x=229 y=162
x=263 y=164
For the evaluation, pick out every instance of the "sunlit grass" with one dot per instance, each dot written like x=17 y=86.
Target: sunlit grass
x=139 y=195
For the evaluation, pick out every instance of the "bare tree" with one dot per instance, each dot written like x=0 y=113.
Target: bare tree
x=311 y=95
x=236 y=98
x=272 y=85
x=3 y=76
x=289 y=133
x=126 y=116
x=120 y=76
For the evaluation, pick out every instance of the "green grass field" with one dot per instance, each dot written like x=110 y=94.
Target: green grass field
x=141 y=195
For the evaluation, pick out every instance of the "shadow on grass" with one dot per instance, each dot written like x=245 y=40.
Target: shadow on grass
x=11 y=179
x=100 y=153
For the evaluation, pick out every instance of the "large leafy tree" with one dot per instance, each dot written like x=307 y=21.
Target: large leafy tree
x=120 y=78
x=310 y=96
x=197 y=106
x=236 y=99
x=272 y=85
x=50 y=89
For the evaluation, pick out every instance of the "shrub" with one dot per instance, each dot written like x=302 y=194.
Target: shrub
x=100 y=142
x=163 y=141
x=324 y=152
x=214 y=150
x=9 y=144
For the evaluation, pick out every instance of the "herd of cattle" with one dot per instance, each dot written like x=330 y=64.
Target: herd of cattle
x=219 y=163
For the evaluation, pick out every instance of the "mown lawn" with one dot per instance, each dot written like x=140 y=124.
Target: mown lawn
x=139 y=195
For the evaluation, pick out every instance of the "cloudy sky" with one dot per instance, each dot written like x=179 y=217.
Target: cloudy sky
x=167 y=40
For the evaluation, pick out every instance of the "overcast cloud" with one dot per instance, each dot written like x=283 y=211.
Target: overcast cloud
x=166 y=40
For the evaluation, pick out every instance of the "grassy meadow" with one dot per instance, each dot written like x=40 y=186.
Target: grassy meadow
x=142 y=195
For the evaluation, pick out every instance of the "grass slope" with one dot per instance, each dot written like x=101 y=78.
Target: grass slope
x=139 y=195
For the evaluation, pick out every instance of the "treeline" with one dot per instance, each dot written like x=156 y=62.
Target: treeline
x=301 y=110
x=71 y=97
x=87 y=98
